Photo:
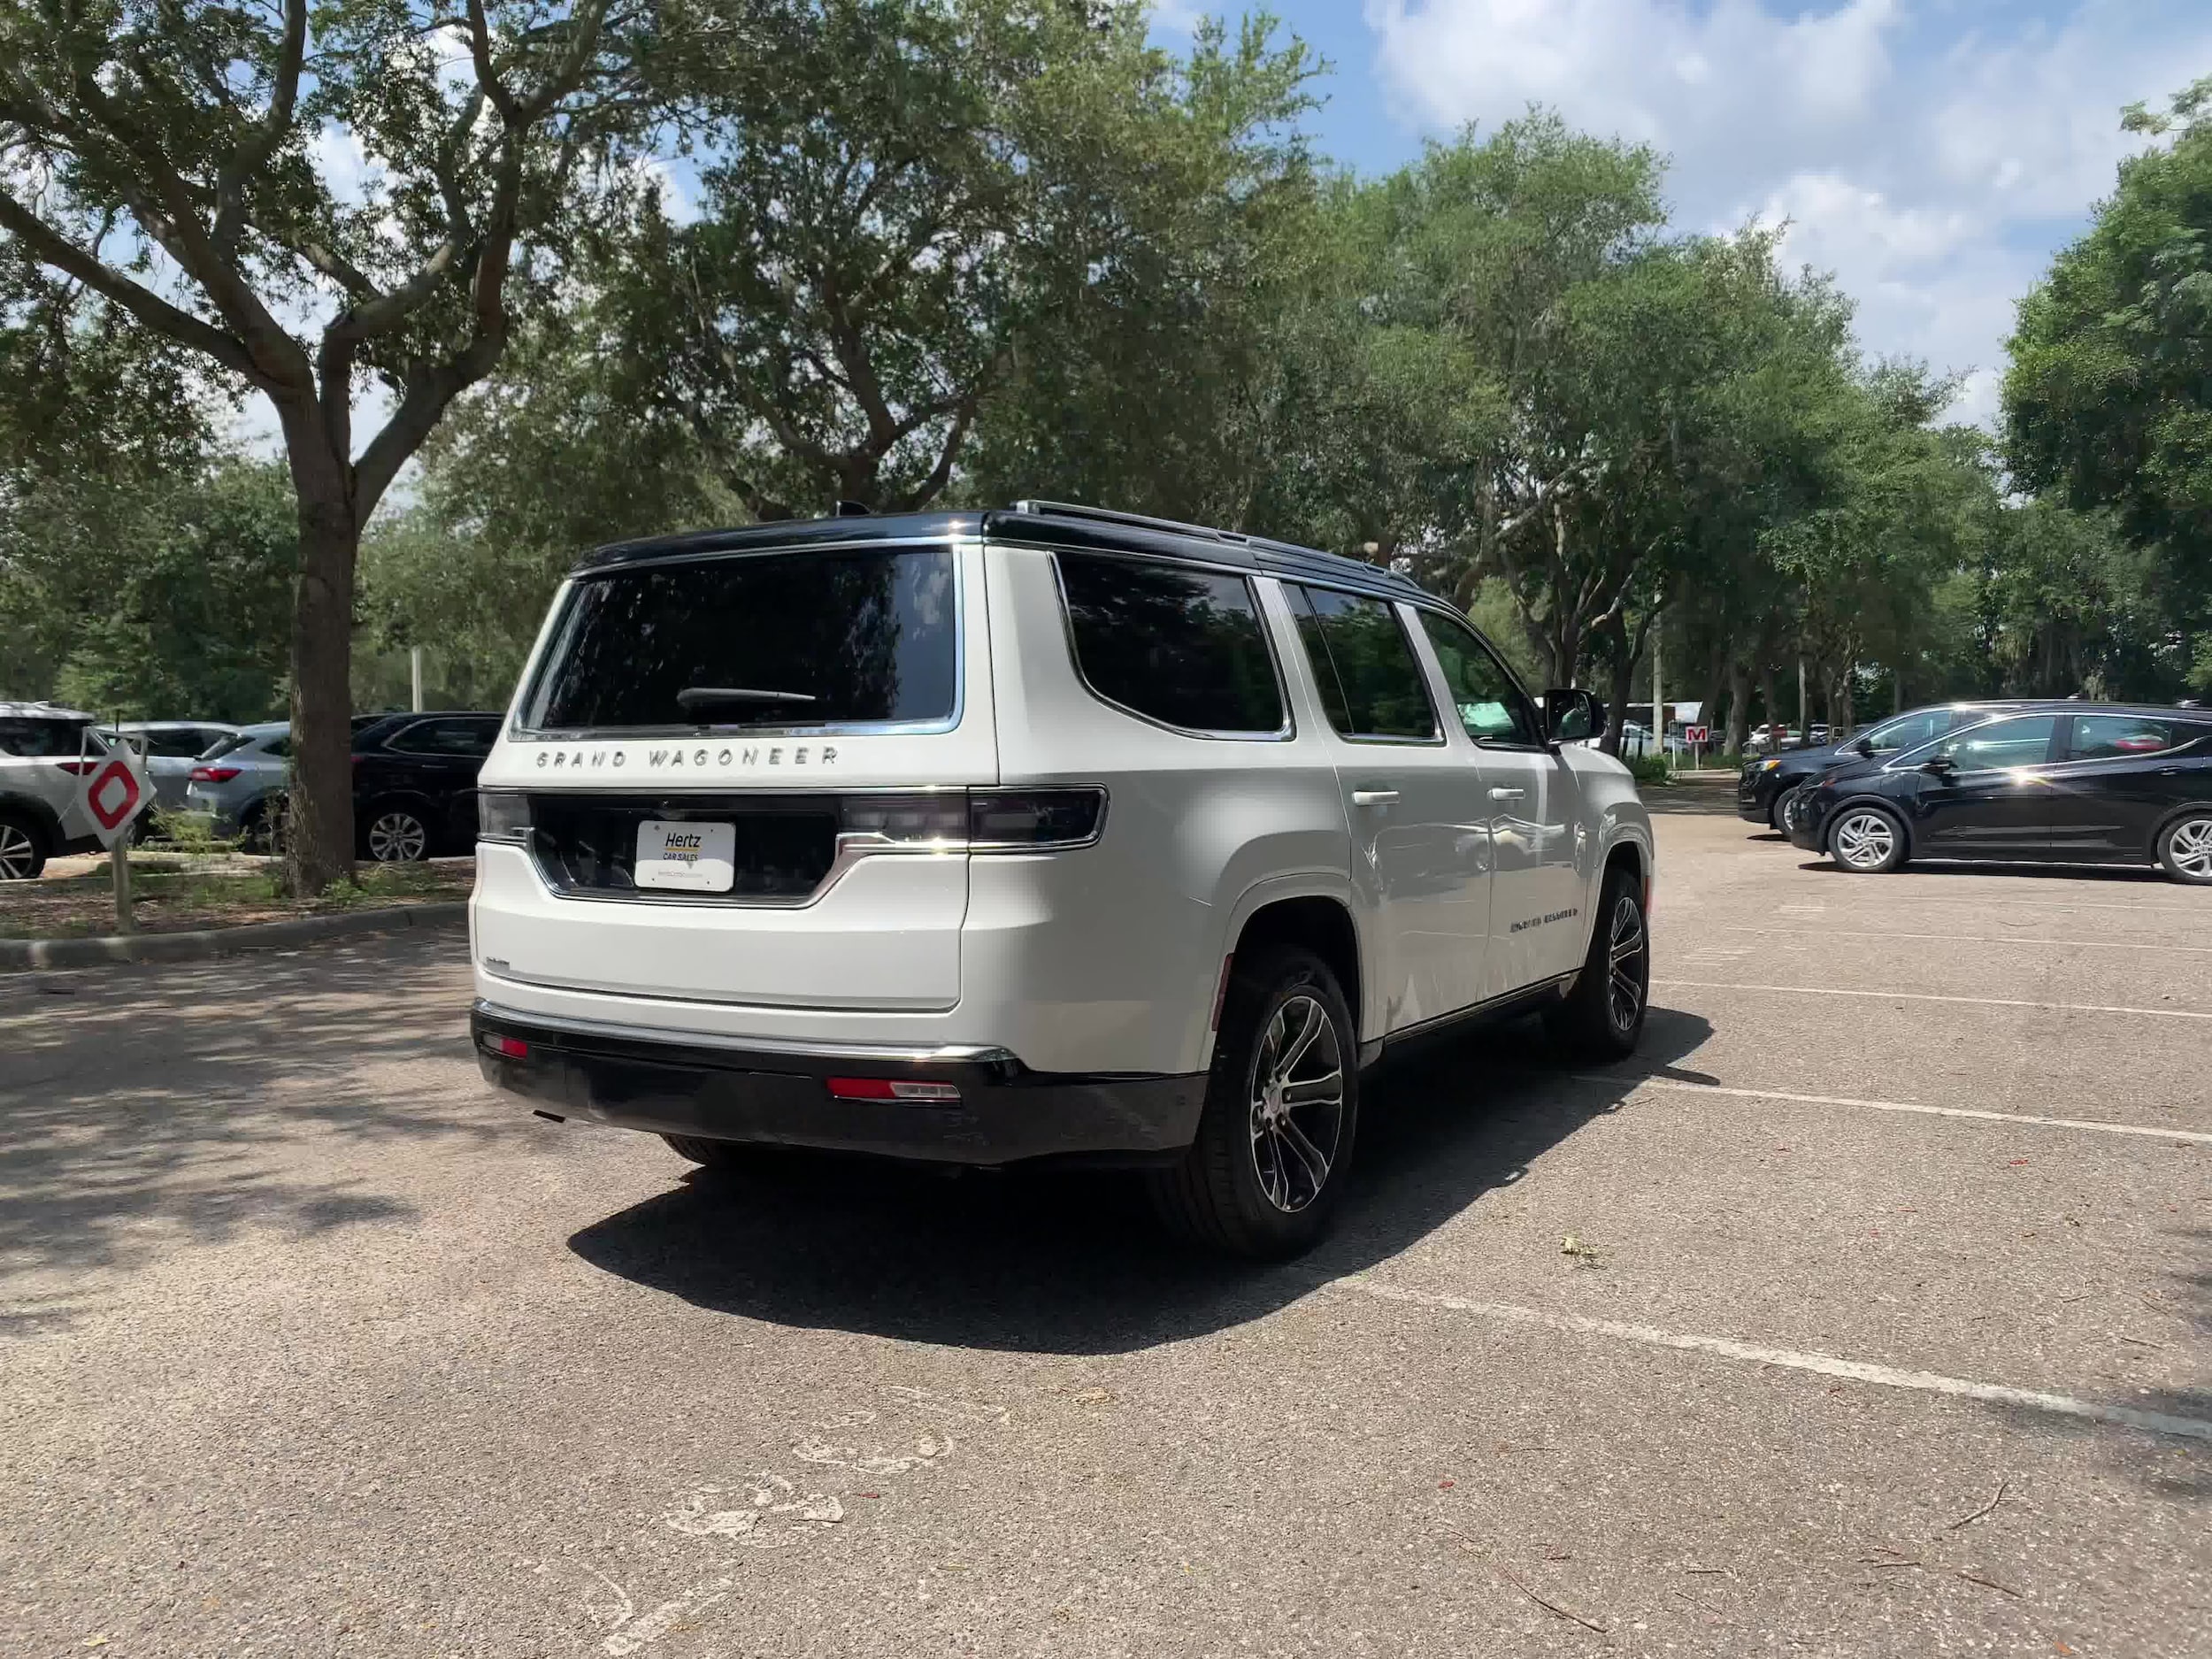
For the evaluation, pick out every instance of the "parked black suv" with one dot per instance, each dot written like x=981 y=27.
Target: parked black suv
x=2042 y=783
x=1764 y=787
x=414 y=783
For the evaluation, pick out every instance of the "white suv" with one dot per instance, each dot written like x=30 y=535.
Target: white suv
x=1046 y=833
x=45 y=751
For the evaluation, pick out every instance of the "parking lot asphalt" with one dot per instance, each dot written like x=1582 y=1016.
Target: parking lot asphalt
x=1868 y=1312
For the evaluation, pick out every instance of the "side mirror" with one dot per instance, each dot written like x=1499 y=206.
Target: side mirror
x=1938 y=766
x=1865 y=746
x=1571 y=715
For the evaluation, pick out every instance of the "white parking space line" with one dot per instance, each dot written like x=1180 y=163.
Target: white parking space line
x=1679 y=1087
x=1930 y=996
x=1820 y=1364
x=1972 y=939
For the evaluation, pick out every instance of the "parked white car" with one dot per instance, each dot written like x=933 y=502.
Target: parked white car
x=1045 y=832
x=45 y=751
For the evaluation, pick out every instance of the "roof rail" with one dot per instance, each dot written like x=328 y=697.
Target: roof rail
x=1174 y=526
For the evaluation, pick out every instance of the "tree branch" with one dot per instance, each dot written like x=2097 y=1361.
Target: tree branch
x=230 y=195
x=148 y=307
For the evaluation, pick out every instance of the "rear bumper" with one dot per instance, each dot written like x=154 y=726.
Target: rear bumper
x=779 y=1094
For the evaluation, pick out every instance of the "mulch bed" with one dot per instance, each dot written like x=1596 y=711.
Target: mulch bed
x=173 y=893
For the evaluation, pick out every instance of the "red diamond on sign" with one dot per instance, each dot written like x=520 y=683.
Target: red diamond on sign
x=113 y=794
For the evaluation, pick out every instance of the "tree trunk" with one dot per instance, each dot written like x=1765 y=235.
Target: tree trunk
x=1771 y=712
x=1616 y=709
x=1738 y=706
x=319 y=843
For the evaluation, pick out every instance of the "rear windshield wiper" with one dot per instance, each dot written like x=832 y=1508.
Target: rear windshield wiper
x=708 y=696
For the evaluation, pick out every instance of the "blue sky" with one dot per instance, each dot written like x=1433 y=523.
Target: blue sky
x=1932 y=155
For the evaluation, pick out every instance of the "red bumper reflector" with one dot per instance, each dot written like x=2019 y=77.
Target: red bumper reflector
x=889 y=1088
x=512 y=1047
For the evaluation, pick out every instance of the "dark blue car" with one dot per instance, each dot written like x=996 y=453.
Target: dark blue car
x=2040 y=783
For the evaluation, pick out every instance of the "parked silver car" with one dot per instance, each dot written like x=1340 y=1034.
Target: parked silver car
x=45 y=751
x=173 y=749
x=241 y=782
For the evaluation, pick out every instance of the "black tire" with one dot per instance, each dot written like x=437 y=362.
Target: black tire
x=1248 y=1185
x=2185 y=848
x=713 y=1155
x=395 y=832
x=1779 y=815
x=1602 y=1017
x=22 y=847
x=1867 y=840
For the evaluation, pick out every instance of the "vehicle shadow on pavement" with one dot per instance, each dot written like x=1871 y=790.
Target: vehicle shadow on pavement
x=145 y=1109
x=2145 y=875
x=1076 y=1265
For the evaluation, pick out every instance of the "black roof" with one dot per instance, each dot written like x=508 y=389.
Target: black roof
x=1049 y=524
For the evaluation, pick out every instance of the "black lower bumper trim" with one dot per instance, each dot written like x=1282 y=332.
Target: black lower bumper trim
x=1006 y=1113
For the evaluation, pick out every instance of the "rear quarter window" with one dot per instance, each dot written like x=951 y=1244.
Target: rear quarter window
x=1183 y=647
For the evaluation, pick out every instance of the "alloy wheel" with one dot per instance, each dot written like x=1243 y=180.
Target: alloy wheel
x=2190 y=846
x=397 y=838
x=18 y=855
x=1624 y=961
x=1864 y=841
x=1297 y=1103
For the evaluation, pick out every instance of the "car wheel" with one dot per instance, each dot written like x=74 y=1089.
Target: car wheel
x=1266 y=1171
x=2186 y=848
x=1779 y=817
x=396 y=835
x=22 y=848
x=1602 y=1014
x=1867 y=841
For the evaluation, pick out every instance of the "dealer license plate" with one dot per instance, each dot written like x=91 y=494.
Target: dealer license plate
x=689 y=857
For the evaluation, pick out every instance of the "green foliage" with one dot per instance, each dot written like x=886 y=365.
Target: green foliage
x=153 y=598
x=2109 y=400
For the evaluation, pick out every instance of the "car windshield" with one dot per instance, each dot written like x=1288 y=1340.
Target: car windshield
x=1906 y=731
x=786 y=639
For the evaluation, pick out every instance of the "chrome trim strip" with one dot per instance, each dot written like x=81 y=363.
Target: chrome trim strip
x=1476 y=1011
x=911 y=1053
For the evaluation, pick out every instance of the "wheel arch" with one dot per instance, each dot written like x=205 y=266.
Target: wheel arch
x=1316 y=914
x=2187 y=809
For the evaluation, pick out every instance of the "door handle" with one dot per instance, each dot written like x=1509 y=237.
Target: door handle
x=1373 y=797
x=1507 y=795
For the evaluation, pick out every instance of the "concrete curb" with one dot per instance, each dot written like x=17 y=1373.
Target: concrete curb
x=17 y=955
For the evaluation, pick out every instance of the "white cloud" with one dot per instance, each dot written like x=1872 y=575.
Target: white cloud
x=1932 y=156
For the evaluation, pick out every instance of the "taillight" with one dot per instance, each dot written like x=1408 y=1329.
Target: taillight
x=77 y=768
x=212 y=774
x=507 y=1048
x=890 y=1088
x=502 y=816
x=1030 y=820
x=981 y=820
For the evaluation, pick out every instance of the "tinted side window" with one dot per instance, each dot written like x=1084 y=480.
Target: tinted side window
x=1489 y=704
x=280 y=746
x=2120 y=737
x=1183 y=647
x=1910 y=732
x=1369 y=678
x=41 y=739
x=2025 y=741
x=445 y=737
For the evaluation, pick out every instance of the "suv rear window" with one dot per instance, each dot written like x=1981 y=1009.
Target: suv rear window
x=1181 y=646
x=863 y=638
